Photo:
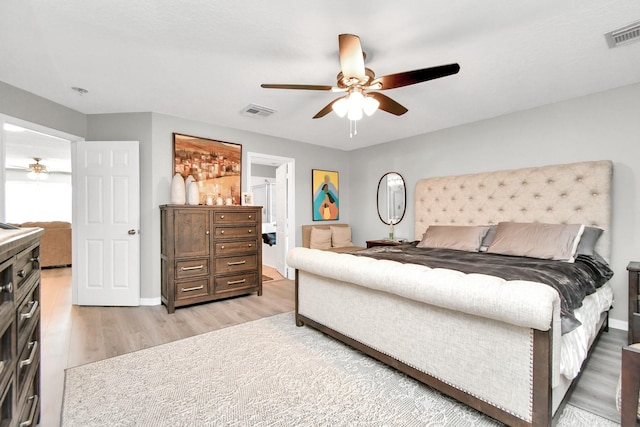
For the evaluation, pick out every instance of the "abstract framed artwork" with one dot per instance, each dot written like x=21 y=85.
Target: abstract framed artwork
x=216 y=166
x=325 y=195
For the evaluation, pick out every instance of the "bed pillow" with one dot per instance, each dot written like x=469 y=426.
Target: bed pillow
x=460 y=237
x=588 y=241
x=320 y=238
x=341 y=237
x=488 y=238
x=537 y=240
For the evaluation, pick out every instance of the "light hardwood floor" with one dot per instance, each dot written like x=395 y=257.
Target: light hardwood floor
x=74 y=335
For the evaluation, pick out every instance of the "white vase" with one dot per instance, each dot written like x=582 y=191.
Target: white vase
x=193 y=193
x=178 y=194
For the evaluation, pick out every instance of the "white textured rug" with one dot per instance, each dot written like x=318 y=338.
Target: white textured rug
x=263 y=373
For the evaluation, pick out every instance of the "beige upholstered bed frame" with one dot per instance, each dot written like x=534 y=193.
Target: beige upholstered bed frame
x=414 y=319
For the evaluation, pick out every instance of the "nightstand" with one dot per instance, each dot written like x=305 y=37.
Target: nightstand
x=382 y=242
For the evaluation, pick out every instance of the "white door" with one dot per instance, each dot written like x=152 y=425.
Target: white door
x=282 y=228
x=106 y=244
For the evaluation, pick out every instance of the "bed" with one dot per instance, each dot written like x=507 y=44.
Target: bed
x=498 y=345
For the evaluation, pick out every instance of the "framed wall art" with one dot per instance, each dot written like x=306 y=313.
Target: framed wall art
x=215 y=165
x=326 y=203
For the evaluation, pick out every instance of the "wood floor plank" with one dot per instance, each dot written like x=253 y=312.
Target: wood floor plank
x=74 y=335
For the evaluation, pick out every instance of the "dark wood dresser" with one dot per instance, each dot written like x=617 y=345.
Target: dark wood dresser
x=634 y=303
x=20 y=327
x=209 y=253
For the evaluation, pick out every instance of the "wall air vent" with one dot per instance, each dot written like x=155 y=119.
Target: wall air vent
x=257 y=111
x=624 y=35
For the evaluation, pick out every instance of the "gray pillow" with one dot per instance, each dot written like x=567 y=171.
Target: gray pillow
x=588 y=241
x=461 y=237
x=537 y=240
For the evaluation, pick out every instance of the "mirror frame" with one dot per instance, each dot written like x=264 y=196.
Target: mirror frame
x=404 y=211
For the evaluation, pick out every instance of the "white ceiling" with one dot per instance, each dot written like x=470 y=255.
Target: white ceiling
x=205 y=59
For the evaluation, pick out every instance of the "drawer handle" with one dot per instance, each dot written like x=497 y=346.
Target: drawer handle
x=32 y=355
x=250 y=231
x=32 y=412
x=21 y=273
x=8 y=288
x=29 y=315
x=207 y=233
x=222 y=247
x=35 y=259
x=250 y=245
x=249 y=216
x=197 y=267
x=221 y=231
x=236 y=282
x=195 y=288
x=236 y=263
x=221 y=216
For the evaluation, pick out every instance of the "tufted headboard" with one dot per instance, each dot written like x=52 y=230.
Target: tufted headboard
x=576 y=193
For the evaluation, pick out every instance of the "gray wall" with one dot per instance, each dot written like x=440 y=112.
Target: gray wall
x=595 y=127
x=155 y=133
x=24 y=105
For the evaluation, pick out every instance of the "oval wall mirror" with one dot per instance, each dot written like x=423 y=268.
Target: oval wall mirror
x=392 y=196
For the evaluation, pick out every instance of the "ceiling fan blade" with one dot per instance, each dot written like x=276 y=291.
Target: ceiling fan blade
x=407 y=78
x=351 y=56
x=387 y=104
x=298 y=87
x=326 y=110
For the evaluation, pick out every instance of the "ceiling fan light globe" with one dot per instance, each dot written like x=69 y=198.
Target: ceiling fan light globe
x=370 y=105
x=355 y=114
x=340 y=107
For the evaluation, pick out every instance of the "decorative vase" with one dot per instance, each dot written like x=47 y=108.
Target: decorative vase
x=193 y=193
x=178 y=194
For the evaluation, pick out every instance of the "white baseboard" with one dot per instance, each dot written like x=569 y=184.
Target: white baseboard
x=150 y=301
x=618 y=324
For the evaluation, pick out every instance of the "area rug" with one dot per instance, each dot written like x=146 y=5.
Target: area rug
x=262 y=373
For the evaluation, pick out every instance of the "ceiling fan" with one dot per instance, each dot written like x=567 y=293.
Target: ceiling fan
x=359 y=82
x=37 y=170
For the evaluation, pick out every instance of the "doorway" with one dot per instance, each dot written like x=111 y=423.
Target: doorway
x=270 y=179
x=37 y=174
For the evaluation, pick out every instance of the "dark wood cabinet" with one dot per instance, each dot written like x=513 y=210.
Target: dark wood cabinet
x=209 y=253
x=20 y=327
x=634 y=309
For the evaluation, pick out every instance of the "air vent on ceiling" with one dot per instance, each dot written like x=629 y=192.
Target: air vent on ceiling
x=624 y=35
x=257 y=111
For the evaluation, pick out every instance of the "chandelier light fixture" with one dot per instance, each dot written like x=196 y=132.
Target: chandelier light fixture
x=37 y=170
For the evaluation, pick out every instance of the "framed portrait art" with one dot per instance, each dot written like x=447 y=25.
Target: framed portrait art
x=326 y=200
x=216 y=166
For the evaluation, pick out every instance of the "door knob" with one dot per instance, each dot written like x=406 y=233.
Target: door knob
x=131 y=232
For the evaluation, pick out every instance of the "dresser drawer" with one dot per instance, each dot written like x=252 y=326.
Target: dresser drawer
x=26 y=265
x=235 y=282
x=235 y=232
x=231 y=248
x=236 y=263
x=28 y=315
x=6 y=403
x=30 y=411
x=28 y=362
x=192 y=267
x=6 y=287
x=186 y=289
x=29 y=407
x=226 y=217
x=7 y=346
